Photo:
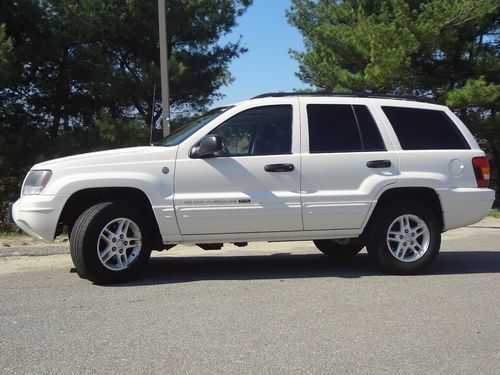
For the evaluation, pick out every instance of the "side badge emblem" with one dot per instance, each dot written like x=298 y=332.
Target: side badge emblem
x=165 y=170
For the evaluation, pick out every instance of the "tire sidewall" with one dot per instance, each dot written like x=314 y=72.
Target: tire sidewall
x=379 y=249
x=97 y=272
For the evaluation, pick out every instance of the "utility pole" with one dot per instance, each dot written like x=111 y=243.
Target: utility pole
x=164 y=68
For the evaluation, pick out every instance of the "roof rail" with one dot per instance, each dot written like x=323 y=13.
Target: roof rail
x=342 y=94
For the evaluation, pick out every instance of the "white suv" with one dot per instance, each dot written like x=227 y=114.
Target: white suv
x=344 y=171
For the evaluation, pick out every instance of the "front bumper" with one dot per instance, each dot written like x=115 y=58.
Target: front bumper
x=38 y=215
x=465 y=206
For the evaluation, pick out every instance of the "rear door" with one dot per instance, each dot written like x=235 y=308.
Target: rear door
x=346 y=160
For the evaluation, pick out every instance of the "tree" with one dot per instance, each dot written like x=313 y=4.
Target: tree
x=82 y=73
x=76 y=57
x=445 y=50
x=5 y=53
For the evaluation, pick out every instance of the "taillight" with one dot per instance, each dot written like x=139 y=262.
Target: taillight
x=481 y=170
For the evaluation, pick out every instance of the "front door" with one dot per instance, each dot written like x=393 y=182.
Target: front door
x=255 y=187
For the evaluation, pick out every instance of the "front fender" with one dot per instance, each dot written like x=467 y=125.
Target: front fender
x=157 y=188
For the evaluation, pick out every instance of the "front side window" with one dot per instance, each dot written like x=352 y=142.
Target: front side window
x=258 y=131
x=425 y=129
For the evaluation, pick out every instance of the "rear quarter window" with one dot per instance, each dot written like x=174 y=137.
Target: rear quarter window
x=425 y=129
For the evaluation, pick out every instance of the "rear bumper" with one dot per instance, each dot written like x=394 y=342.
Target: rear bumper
x=38 y=215
x=465 y=206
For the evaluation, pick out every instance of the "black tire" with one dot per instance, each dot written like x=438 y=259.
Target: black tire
x=85 y=245
x=389 y=250
x=340 y=248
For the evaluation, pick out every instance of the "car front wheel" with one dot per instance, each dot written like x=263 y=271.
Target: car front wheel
x=109 y=243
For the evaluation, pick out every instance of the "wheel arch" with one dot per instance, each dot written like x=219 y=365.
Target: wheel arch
x=424 y=195
x=81 y=200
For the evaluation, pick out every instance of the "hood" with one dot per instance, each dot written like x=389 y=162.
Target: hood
x=110 y=157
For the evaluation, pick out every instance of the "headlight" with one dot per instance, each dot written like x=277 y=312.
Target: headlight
x=35 y=182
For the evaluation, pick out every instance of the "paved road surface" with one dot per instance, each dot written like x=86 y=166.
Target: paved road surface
x=269 y=308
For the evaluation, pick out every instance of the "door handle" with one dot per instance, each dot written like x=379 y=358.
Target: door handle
x=378 y=164
x=279 y=167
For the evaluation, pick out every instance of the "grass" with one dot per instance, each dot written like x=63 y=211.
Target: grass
x=12 y=234
x=495 y=214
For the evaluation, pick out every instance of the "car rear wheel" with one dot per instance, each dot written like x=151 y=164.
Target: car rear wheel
x=405 y=238
x=340 y=248
x=110 y=243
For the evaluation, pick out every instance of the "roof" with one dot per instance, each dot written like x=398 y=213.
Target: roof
x=346 y=95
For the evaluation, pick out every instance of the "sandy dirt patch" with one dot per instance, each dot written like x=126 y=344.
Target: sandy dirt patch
x=12 y=241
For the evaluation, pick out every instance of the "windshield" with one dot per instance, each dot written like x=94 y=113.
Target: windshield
x=186 y=131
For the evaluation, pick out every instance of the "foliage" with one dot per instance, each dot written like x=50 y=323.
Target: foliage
x=119 y=132
x=5 y=53
x=78 y=76
x=479 y=102
x=446 y=50
x=7 y=234
x=76 y=57
x=495 y=214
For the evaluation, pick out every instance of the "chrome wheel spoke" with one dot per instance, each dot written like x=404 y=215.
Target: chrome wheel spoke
x=125 y=227
x=119 y=228
x=420 y=228
x=124 y=259
x=105 y=238
x=405 y=250
x=419 y=235
x=134 y=248
x=406 y=221
x=107 y=256
x=398 y=249
x=401 y=224
x=393 y=234
x=119 y=262
x=412 y=236
x=119 y=244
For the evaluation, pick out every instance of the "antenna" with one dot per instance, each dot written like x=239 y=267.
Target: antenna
x=152 y=116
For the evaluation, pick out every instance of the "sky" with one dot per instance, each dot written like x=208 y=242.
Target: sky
x=267 y=66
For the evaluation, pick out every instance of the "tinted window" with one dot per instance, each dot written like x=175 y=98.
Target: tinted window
x=258 y=131
x=332 y=128
x=370 y=135
x=342 y=128
x=424 y=129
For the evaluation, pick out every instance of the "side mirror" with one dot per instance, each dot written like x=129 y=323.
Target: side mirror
x=210 y=145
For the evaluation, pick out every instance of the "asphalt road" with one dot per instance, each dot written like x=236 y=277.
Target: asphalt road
x=268 y=308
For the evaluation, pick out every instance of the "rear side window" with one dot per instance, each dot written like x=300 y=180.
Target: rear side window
x=370 y=135
x=342 y=128
x=425 y=129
